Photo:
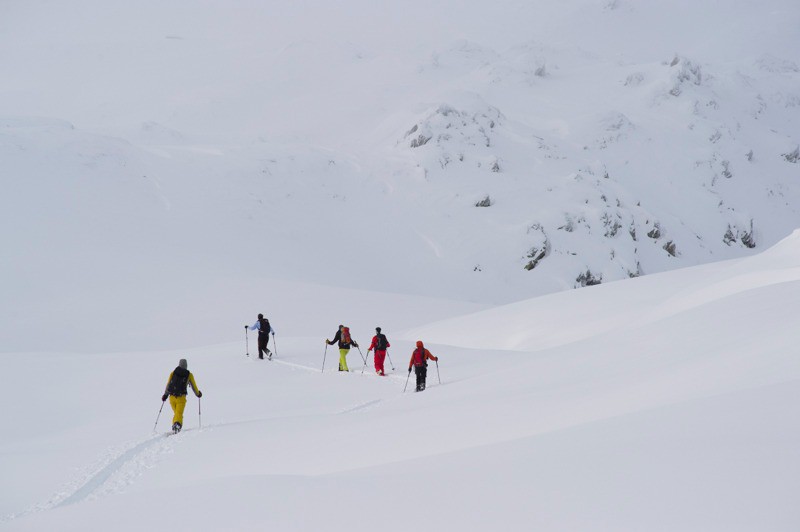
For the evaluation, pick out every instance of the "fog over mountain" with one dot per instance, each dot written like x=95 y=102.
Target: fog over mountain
x=166 y=160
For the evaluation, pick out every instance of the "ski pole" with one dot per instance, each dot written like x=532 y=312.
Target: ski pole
x=159 y=415
x=199 y=413
x=323 y=358
x=364 y=366
x=362 y=356
x=275 y=344
x=406 y=386
x=246 y=341
x=390 y=359
x=437 y=372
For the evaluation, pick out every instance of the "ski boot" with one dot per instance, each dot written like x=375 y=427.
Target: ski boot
x=176 y=427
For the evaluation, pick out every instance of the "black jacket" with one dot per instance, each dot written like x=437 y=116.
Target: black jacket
x=342 y=344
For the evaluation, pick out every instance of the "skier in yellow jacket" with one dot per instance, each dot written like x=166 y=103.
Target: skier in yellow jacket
x=176 y=389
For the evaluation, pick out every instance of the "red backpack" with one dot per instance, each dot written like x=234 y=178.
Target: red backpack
x=346 y=335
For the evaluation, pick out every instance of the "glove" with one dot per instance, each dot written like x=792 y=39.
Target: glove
x=327 y=342
x=273 y=335
x=409 y=369
x=199 y=394
x=245 y=326
x=164 y=397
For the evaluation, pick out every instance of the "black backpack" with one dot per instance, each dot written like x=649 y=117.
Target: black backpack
x=178 y=382
x=264 y=326
x=381 y=343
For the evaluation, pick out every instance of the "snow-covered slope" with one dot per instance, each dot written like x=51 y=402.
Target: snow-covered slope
x=170 y=169
x=660 y=403
x=166 y=164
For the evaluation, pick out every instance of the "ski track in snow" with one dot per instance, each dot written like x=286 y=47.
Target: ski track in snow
x=111 y=474
x=120 y=467
x=368 y=372
x=361 y=406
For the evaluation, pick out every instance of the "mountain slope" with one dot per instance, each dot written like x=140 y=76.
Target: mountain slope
x=518 y=150
x=678 y=420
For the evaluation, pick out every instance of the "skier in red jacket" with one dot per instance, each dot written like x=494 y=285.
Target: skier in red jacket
x=418 y=361
x=379 y=344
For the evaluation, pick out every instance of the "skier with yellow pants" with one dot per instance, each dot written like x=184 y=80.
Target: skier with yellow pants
x=344 y=340
x=176 y=389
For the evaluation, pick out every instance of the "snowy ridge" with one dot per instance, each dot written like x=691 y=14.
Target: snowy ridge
x=527 y=324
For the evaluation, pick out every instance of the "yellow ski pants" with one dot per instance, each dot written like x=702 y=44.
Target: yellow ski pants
x=343 y=359
x=178 y=404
